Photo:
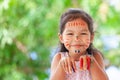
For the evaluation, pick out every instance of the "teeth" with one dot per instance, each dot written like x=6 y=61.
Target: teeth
x=77 y=51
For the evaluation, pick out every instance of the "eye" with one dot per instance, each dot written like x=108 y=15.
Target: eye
x=83 y=33
x=69 y=33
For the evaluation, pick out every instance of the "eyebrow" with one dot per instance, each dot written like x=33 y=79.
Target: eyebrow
x=69 y=30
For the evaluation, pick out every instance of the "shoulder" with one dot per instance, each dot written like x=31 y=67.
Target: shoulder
x=97 y=54
x=55 y=61
x=57 y=56
x=99 y=58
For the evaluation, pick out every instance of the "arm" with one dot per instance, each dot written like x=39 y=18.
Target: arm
x=57 y=71
x=98 y=68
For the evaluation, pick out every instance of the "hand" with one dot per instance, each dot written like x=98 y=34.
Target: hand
x=68 y=64
x=85 y=62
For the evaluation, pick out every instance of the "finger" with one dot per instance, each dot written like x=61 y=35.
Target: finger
x=84 y=63
x=81 y=63
x=88 y=62
x=64 y=64
x=69 y=66
x=74 y=66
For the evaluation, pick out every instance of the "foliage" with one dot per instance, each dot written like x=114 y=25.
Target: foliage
x=28 y=33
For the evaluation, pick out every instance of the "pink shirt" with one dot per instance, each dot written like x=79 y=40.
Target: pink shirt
x=79 y=74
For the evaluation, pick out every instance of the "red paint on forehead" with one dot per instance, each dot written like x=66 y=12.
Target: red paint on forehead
x=78 y=22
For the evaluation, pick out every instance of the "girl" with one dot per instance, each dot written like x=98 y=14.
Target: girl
x=76 y=37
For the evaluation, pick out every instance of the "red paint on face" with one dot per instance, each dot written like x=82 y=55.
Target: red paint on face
x=67 y=43
x=76 y=23
x=76 y=35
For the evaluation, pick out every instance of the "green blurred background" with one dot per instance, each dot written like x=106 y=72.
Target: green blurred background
x=29 y=34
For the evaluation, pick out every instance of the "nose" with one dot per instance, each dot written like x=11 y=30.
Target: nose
x=76 y=38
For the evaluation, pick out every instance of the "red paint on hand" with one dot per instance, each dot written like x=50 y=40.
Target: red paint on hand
x=88 y=62
x=81 y=63
x=85 y=63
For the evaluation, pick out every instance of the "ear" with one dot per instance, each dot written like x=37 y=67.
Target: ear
x=60 y=37
x=92 y=38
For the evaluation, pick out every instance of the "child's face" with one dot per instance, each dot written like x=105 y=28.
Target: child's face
x=76 y=36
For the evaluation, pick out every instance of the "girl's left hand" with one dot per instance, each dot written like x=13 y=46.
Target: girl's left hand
x=85 y=62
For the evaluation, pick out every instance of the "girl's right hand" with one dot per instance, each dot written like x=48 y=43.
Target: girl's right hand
x=68 y=64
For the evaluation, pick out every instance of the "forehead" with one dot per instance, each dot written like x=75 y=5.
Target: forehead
x=78 y=23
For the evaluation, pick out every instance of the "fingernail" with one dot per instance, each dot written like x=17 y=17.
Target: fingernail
x=66 y=72
x=70 y=71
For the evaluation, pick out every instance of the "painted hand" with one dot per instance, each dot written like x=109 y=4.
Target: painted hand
x=85 y=62
x=68 y=64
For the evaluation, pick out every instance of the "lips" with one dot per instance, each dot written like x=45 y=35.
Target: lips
x=76 y=45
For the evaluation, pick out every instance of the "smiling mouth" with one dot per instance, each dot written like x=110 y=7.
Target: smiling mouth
x=76 y=46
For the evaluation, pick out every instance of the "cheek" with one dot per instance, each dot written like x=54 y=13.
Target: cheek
x=87 y=43
x=67 y=43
